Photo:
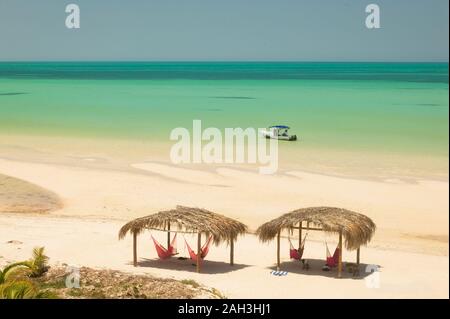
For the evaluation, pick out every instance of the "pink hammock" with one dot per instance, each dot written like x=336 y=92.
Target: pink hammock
x=164 y=253
x=204 y=250
x=296 y=253
x=332 y=261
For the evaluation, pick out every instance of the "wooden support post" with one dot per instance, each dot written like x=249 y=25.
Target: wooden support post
x=340 y=255
x=134 y=249
x=199 y=250
x=168 y=234
x=300 y=235
x=357 y=256
x=232 y=252
x=278 y=250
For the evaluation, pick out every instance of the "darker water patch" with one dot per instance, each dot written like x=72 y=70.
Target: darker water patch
x=355 y=71
x=233 y=97
x=211 y=110
x=12 y=93
x=428 y=104
x=417 y=104
x=418 y=88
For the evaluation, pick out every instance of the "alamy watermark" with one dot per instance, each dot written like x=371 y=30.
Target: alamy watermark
x=234 y=146
x=73 y=18
x=73 y=277
x=373 y=279
x=372 y=19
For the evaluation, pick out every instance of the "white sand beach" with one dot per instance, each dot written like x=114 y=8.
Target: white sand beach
x=94 y=243
x=241 y=124
x=99 y=194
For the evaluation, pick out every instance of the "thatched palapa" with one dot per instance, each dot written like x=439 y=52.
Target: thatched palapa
x=187 y=220
x=356 y=229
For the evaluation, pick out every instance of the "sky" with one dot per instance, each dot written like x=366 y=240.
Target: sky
x=224 y=30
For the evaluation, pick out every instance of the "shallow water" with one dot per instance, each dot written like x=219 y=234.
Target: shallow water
x=386 y=111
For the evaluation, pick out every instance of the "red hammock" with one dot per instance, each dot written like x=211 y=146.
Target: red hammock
x=296 y=253
x=332 y=261
x=204 y=250
x=164 y=253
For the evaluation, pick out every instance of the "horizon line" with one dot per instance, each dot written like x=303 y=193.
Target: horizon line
x=230 y=61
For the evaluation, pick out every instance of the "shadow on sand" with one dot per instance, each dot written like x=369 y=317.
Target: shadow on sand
x=207 y=267
x=315 y=269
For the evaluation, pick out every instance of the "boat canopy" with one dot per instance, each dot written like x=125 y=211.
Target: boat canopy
x=280 y=126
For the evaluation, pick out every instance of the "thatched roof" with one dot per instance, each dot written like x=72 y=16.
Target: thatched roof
x=196 y=220
x=357 y=229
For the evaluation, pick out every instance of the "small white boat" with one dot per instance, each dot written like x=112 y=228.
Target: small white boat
x=279 y=132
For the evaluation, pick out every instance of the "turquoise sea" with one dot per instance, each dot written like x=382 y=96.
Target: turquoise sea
x=398 y=109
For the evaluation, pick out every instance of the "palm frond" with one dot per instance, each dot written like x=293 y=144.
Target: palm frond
x=11 y=269
x=39 y=262
x=18 y=289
